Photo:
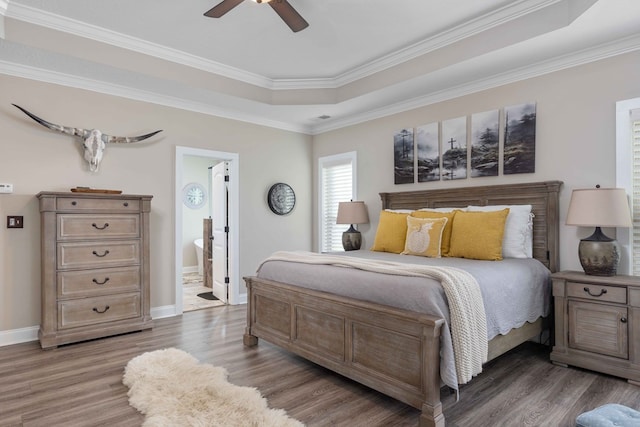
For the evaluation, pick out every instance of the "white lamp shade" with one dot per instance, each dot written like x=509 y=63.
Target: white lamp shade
x=352 y=213
x=599 y=207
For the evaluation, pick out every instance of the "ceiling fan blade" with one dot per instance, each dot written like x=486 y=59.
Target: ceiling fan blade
x=221 y=8
x=289 y=15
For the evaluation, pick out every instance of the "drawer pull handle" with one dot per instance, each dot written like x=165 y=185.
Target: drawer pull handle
x=106 y=224
x=106 y=279
x=106 y=307
x=602 y=292
x=623 y=320
x=103 y=255
x=74 y=203
x=126 y=204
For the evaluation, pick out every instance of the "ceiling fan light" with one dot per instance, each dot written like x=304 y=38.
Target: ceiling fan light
x=262 y=1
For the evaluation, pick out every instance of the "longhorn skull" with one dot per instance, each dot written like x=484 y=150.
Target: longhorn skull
x=94 y=141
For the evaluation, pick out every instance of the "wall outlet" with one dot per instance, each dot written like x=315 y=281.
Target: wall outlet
x=15 y=222
x=6 y=188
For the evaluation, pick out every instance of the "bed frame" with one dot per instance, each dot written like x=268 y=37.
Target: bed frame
x=394 y=351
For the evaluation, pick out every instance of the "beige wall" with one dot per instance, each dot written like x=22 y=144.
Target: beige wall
x=35 y=159
x=575 y=137
x=575 y=144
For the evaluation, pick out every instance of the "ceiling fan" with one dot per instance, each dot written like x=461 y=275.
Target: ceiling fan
x=282 y=7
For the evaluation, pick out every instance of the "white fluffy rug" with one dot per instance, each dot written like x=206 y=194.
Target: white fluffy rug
x=173 y=389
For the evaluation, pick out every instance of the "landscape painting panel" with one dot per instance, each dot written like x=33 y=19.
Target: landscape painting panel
x=485 y=128
x=520 y=139
x=454 y=148
x=428 y=153
x=403 y=156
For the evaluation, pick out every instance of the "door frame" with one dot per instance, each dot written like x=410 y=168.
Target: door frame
x=234 y=222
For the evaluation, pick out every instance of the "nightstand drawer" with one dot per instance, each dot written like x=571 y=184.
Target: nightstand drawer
x=90 y=311
x=86 y=226
x=602 y=293
x=98 y=254
x=88 y=283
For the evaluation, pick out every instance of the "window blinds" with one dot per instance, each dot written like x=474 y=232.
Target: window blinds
x=337 y=186
x=635 y=135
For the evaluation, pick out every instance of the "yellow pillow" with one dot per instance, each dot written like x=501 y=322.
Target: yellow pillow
x=424 y=236
x=478 y=235
x=391 y=232
x=446 y=234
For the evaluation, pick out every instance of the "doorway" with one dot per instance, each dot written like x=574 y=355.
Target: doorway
x=231 y=159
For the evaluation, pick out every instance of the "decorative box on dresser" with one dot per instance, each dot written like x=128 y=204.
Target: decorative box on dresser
x=95 y=266
x=597 y=323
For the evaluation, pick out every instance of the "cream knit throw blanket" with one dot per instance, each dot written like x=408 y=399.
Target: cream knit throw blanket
x=468 y=323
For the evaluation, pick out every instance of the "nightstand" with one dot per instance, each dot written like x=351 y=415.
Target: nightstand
x=597 y=323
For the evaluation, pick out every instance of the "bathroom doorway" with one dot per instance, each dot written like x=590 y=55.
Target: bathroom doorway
x=193 y=177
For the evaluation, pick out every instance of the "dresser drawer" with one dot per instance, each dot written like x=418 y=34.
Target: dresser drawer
x=86 y=226
x=98 y=254
x=87 y=283
x=90 y=311
x=79 y=204
x=597 y=292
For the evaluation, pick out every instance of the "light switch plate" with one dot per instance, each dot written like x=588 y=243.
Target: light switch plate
x=15 y=222
x=6 y=188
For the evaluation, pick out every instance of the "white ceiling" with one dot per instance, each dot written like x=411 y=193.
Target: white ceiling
x=357 y=60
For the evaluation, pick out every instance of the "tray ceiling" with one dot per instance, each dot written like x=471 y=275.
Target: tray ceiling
x=357 y=60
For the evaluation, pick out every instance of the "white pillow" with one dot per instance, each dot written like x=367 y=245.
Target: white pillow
x=407 y=211
x=446 y=210
x=518 y=229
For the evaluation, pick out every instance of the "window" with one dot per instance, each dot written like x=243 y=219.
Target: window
x=635 y=202
x=628 y=177
x=337 y=183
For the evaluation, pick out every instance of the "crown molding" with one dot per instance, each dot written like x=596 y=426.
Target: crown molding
x=82 y=29
x=585 y=56
x=128 y=92
x=603 y=51
x=476 y=26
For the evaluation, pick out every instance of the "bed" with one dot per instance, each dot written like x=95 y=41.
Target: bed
x=390 y=349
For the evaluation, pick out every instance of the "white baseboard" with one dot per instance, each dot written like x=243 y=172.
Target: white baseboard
x=164 y=311
x=190 y=269
x=22 y=335
x=18 y=336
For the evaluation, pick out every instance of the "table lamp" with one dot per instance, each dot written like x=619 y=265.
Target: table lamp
x=599 y=207
x=352 y=213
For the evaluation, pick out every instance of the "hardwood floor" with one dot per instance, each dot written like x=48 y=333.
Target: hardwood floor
x=80 y=384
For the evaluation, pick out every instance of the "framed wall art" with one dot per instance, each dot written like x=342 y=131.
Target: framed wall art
x=403 y=160
x=454 y=148
x=485 y=143
x=520 y=139
x=428 y=148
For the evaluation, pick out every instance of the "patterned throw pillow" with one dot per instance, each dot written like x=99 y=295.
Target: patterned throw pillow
x=424 y=236
x=446 y=234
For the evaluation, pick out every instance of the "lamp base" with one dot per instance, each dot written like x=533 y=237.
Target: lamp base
x=599 y=254
x=351 y=239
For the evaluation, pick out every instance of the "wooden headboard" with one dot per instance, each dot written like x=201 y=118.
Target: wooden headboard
x=543 y=196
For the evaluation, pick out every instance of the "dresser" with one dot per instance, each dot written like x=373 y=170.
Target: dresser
x=597 y=323
x=95 y=266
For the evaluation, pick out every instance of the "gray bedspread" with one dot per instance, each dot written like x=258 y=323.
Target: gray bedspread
x=514 y=291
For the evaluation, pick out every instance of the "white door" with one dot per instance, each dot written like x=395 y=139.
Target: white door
x=220 y=232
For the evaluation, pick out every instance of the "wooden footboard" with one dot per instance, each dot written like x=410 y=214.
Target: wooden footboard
x=393 y=351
